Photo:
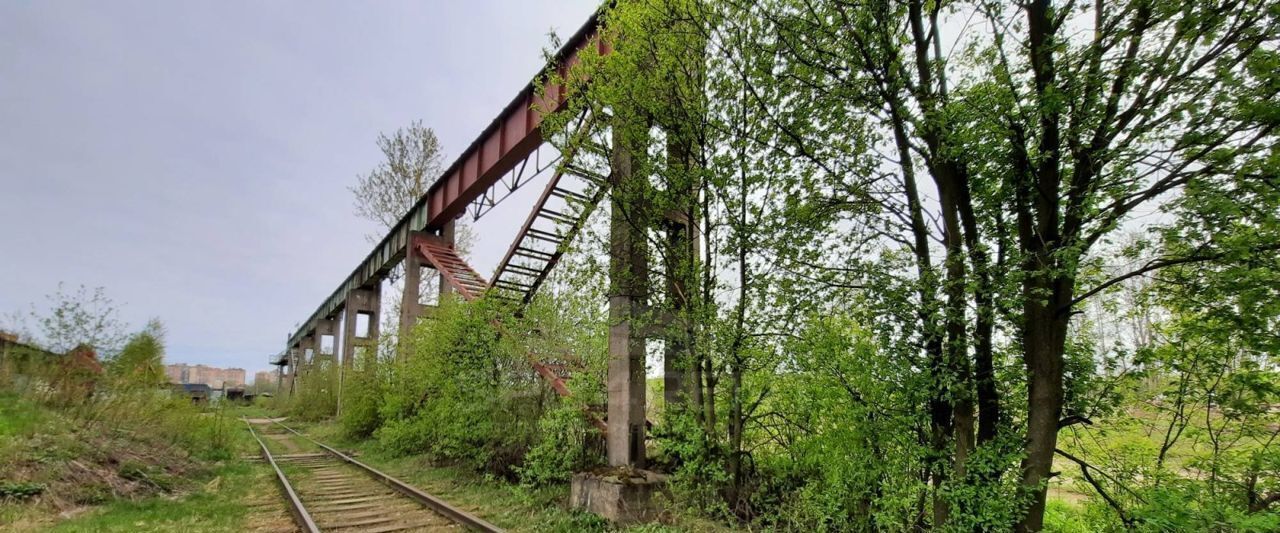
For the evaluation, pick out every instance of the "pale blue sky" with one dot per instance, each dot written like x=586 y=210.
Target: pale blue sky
x=193 y=157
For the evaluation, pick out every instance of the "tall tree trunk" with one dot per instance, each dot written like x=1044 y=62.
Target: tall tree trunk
x=956 y=383
x=1047 y=287
x=989 y=411
x=940 y=413
x=1043 y=345
x=737 y=364
x=709 y=405
x=707 y=371
x=736 y=474
x=984 y=300
x=950 y=177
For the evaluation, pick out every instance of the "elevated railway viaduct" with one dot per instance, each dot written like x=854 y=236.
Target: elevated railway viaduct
x=510 y=153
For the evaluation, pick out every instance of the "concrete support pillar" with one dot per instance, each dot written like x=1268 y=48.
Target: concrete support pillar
x=366 y=302
x=447 y=234
x=310 y=347
x=628 y=291
x=411 y=308
x=329 y=327
x=294 y=364
x=307 y=354
x=675 y=359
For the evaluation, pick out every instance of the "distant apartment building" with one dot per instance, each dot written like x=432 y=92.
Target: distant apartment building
x=265 y=380
x=214 y=377
x=176 y=373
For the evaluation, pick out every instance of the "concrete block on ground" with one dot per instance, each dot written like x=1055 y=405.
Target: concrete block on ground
x=621 y=495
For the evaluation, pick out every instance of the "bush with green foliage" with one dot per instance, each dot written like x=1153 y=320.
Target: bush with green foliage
x=460 y=389
x=130 y=401
x=316 y=389
x=363 y=387
x=140 y=363
x=462 y=394
x=845 y=460
x=566 y=443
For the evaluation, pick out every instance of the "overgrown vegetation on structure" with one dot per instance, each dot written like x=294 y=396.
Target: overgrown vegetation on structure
x=922 y=289
x=967 y=266
x=460 y=390
x=952 y=254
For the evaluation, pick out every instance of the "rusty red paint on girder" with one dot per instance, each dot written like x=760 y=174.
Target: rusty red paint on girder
x=454 y=269
x=552 y=377
x=509 y=139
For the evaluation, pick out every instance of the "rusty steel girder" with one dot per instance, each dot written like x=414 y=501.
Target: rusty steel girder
x=508 y=140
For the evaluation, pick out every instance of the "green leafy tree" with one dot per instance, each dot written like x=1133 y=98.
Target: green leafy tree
x=141 y=360
x=82 y=316
x=1038 y=145
x=414 y=159
x=967 y=183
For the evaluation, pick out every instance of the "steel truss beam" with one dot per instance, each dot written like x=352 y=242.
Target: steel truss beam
x=508 y=140
x=537 y=163
x=528 y=170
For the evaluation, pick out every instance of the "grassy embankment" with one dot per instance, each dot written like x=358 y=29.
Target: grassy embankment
x=111 y=475
x=127 y=464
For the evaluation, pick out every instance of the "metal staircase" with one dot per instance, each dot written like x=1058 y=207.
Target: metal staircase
x=464 y=279
x=559 y=214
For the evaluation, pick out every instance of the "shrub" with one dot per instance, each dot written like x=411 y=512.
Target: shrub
x=564 y=446
x=316 y=390
x=1061 y=517
x=461 y=395
x=19 y=490
x=363 y=387
x=140 y=363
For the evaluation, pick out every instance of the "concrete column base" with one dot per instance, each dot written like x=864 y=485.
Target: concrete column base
x=621 y=495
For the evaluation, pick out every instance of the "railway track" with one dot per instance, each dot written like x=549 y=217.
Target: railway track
x=327 y=490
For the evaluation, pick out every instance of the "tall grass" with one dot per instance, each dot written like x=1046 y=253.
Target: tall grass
x=95 y=401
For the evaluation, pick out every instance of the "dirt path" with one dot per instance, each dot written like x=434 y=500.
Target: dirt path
x=265 y=421
x=286 y=442
x=266 y=428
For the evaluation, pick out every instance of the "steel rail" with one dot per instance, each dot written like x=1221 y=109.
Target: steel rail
x=464 y=518
x=299 y=512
